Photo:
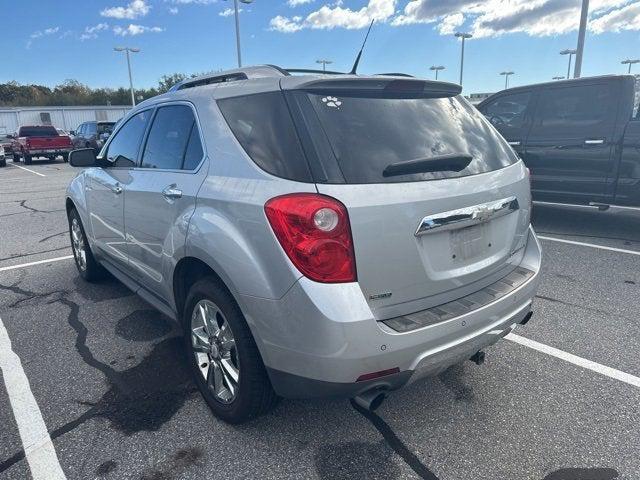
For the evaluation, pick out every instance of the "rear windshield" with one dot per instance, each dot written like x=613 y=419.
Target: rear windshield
x=38 y=132
x=105 y=127
x=367 y=134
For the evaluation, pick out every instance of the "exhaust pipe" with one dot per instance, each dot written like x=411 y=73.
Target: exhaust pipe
x=527 y=317
x=370 y=400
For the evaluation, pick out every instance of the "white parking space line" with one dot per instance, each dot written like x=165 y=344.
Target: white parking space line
x=39 y=262
x=25 y=168
x=579 y=361
x=38 y=447
x=590 y=245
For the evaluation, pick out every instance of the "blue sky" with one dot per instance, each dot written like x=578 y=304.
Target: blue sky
x=73 y=39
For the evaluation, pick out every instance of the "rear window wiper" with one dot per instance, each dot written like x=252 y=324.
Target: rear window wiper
x=450 y=162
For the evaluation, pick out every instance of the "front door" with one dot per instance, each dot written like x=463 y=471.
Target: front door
x=510 y=115
x=106 y=190
x=162 y=194
x=569 y=147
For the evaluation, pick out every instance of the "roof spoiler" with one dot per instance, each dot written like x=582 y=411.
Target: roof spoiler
x=409 y=87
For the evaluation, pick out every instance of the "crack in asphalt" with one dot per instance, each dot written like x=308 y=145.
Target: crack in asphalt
x=53 y=236
x=13 y=257
x=575 y=305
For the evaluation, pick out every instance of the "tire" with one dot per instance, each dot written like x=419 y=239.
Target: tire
x=16 y=157
x=88 y=268
x=27 y=159
x=65 y=157
x=253 y=394
x=3 y=162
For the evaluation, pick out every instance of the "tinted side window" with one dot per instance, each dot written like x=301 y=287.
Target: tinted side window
x=263 y=126
x=169 y=138
x=90 y=128
x=577 y=107
x=508 y=110
x=124 y=146
x=80 y=129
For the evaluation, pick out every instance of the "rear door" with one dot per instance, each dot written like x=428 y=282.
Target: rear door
x=570 y=144
x=510 y=114
x=161 y=195
x=420 y=239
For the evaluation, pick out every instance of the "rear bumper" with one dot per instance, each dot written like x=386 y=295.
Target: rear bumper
x=318 y=339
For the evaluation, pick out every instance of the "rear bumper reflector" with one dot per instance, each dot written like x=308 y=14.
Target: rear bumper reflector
x=461 y=306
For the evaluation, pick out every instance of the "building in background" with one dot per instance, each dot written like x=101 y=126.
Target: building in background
x=66 y=118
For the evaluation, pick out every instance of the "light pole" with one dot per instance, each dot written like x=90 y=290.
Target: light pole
x=629 y=62
x=324 y=64
x=506 y=78
x=436 y=68
x=569 y=52
x=584 y=13
x=557 y=78
x=236 y=13
x=463 y=36
x=127 y=50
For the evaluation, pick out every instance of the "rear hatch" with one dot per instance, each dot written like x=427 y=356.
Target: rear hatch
x=438 y=201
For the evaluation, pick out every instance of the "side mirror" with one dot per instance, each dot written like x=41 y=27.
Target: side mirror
x=83 y=158
x=72 y=132
x=10 y=137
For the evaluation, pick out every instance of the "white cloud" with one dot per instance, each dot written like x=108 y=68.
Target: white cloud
x=46 y=31
x=626 y=18
x=173 y=10
x=450 y=23
x=90 y=33
x=490 y=18
x=295 y=3
x=336 y=16
x=227 y=12
x=132 y=30
x=194 y=2
x=285 y=25
x=135 y=9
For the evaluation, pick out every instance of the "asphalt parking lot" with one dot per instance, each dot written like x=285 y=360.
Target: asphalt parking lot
x=112 y=389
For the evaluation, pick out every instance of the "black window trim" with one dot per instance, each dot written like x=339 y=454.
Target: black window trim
x=156 y=107
x=153 y=109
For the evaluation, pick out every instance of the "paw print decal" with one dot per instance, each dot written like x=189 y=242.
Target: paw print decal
x=332 y=102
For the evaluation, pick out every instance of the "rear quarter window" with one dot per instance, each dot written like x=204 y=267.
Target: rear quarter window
x=264 y=127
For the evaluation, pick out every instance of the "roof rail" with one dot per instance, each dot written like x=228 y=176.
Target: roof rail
x=260 y=71
x=309 y=70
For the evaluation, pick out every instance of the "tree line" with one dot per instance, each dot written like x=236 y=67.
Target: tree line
x=74 y=93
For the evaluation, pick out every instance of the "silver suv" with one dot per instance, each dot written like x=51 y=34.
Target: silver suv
x=316 y=235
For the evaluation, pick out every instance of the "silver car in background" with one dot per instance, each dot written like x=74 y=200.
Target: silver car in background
x=316 y=235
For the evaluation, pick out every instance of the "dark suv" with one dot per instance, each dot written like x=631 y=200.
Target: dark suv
x=92 y=134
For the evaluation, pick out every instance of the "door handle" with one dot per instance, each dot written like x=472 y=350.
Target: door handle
x=172 y=192
x=117 y=189
x=514 y=143
x=594 y=141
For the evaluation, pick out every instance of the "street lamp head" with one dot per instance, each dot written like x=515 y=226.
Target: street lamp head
x=246 y=1
x=568 y=51
x=326 y=62
x=507 y=73
x=630 y=61
x=436 y=67
x=557 y=78
x=119 y=49
x=134 y=50
x=463 y=35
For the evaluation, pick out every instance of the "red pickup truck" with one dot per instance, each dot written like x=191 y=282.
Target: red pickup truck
x=40 y=141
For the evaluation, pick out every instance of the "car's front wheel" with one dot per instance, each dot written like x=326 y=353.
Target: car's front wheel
x=223 y=355
x=88 y=267
x=16 y=157
x=27 y=159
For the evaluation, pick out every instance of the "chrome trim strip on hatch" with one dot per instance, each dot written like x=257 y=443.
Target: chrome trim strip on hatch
x=468 y=216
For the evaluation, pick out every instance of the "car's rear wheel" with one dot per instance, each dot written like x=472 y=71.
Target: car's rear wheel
x=3 y=162
x=16 y=157
x=224 y=358
x=65 y=157
x=89 y=269
x=27 y=159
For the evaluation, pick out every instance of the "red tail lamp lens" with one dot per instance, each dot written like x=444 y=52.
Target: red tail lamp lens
x=315 y=233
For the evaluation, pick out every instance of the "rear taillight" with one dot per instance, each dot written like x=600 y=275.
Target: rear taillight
x=315 y=233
